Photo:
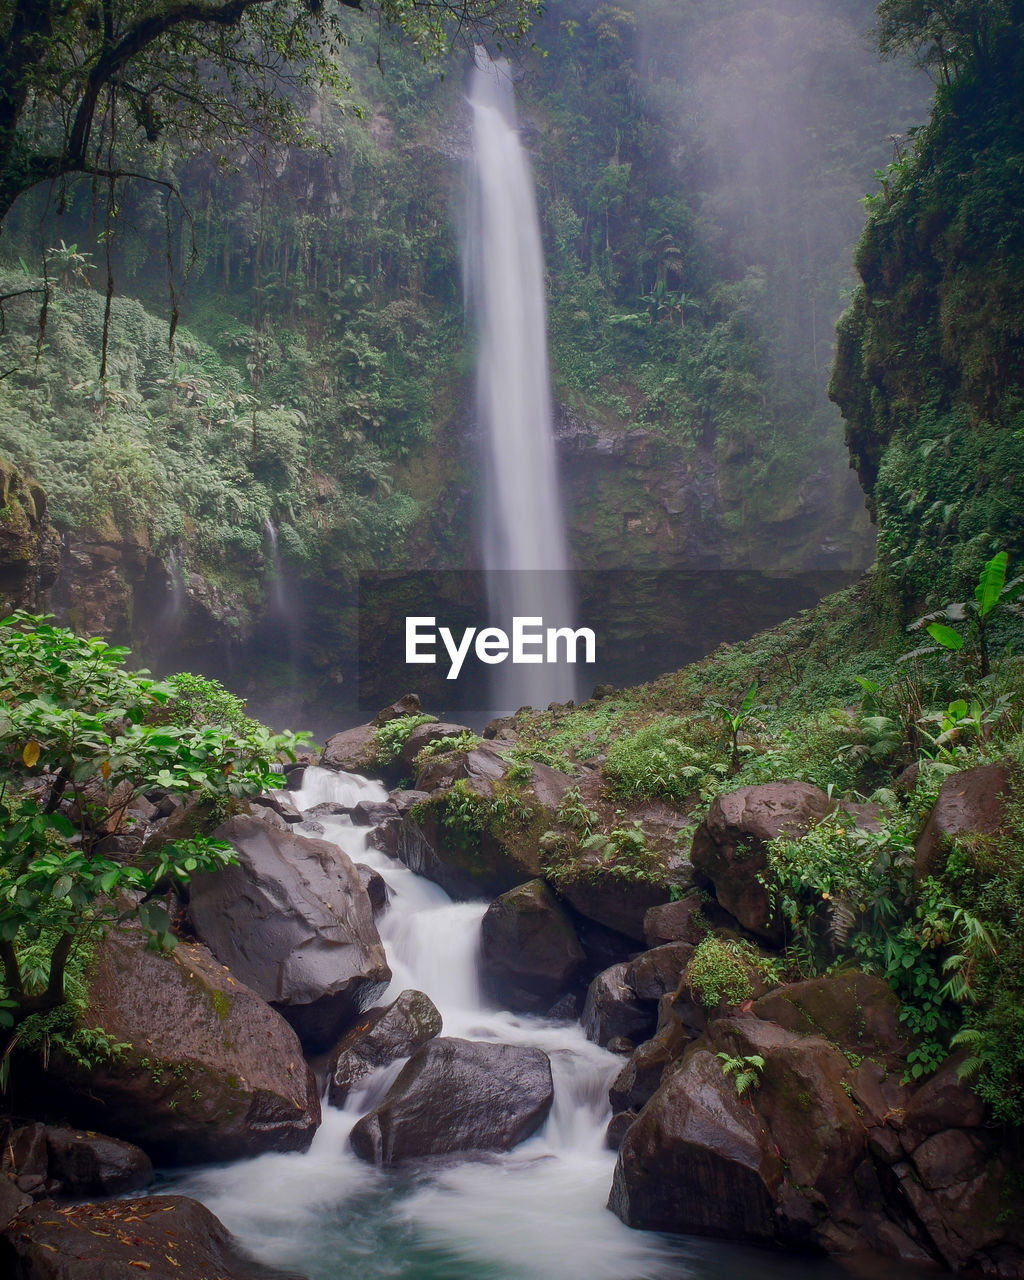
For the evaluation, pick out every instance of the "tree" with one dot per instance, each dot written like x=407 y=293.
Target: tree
x=80 y=738
x=86 y=85
x=951 y=37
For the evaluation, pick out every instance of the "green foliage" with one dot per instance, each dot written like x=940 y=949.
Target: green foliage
x=745 y=1070
x=716 y=975
x=658 y=761
x=450 y=744
x=80 y=737
x=991 y=594
x=389 y=738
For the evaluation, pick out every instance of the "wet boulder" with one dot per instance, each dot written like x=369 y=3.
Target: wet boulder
x=530 y=954
x=972 y=802
x=456 y=1096
x=293 y=922
x=163 y=1237
x=352 y=751
x=730 y=845
x=381 y=1036
x=675 y=921
x=466 y=862
x=613 y=1011
x=658 y=972
x=613 y=901
x=206 y=1069
x=424 y=733
x=375 y=885
x=858 y=1012
x=697 y=1160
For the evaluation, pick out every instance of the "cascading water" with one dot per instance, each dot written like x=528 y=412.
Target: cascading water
x=537 y=1211
x=534 y=1213
x=524 y=544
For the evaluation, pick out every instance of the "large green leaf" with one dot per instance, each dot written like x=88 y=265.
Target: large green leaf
x=946 y=636
x=990 y=584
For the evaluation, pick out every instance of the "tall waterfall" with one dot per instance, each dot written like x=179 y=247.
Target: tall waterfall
x=524 y=548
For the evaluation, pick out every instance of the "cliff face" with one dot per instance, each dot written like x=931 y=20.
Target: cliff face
x=29 y=545
x=929 y=371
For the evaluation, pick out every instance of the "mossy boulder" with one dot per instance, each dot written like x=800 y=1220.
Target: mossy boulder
x=207 y=1070
x=853 y=1010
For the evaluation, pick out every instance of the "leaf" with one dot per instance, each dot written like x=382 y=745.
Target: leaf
x=105 y=768
x=30 y=753
x=990 y=584
x=946 y=636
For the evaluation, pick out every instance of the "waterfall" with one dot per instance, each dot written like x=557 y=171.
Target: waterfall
x=525 y=553
x=278 y=598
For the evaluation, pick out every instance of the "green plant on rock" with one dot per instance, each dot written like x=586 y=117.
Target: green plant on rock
x=716 y=975
x=390 y=738
x=656 y=761
x=622 y=852
x=745 y=1070
x=80 y=738
x=450 y=744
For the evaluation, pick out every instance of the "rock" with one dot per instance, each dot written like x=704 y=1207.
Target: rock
x=382 y=1036
x=801 y=1100
x=407 y=705
x=658 y=972
x=612 y=1008
x=483 y=765
x=404 y=800
x=530 y=954
x=456 y=1096
x=484 y=866
x=549 y=785
x=375 y=885
x=972 y=802
x=858 y=1012
x=352 y=751
x=12 y=1201
x=369 y=813
x=162 y=1237
x=642 y=1075
x=614 y=902
x=944 y=1101
x=697 y=1160
x=328 y=809
x=424 y=733
x=674 y=921
x=293 y=922
x=91 y=1164
x=281 y=803
x=729 y=846
x=210 y=1071
x=616 y=1129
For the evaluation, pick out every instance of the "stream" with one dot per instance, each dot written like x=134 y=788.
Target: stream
x=534 y=1213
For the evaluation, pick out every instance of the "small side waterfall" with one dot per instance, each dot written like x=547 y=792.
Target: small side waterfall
x=525 y=550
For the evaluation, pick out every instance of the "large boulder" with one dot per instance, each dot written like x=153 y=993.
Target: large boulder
x=455 y=1096
x=352 y=751
x=293 y=921
x=424 y=733
x=530 y=954
x=697 y=1160
x=162 y=1237
x=474 y=864
x=858 y=1012
x=730 y=845
x=969 y=803
x=614 y=901
x=383 y=1035
x=484 y=765
x=206 y=1069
